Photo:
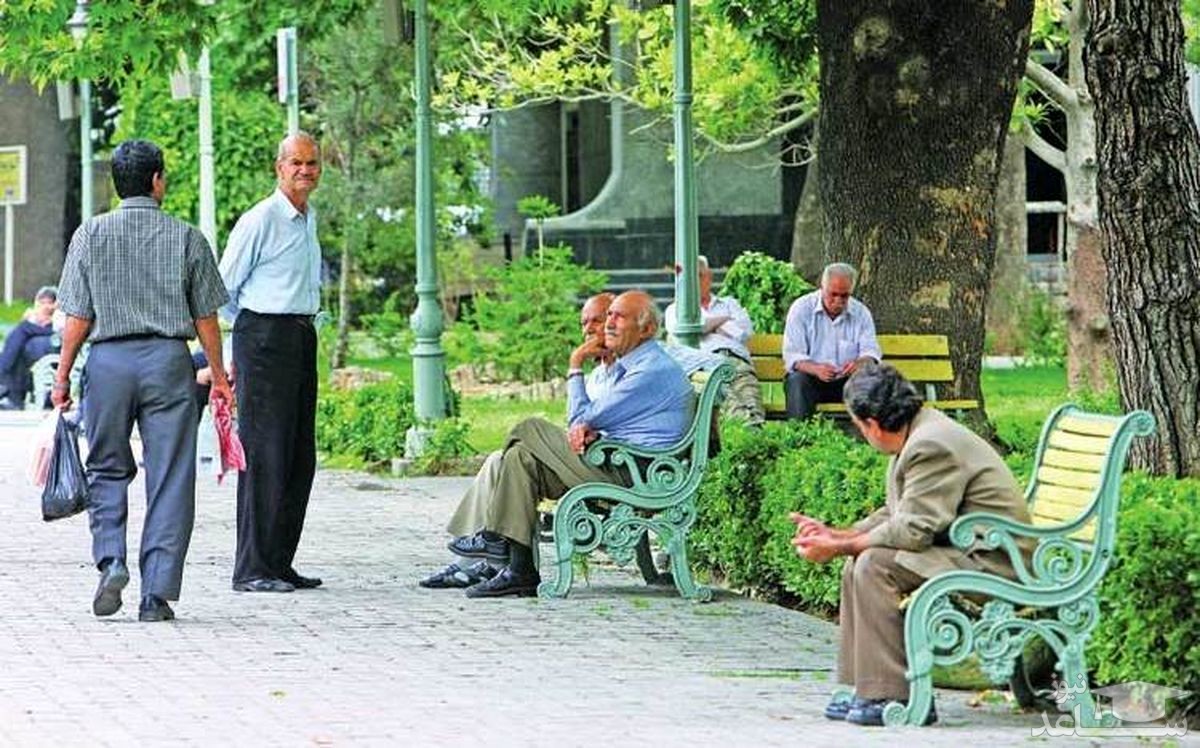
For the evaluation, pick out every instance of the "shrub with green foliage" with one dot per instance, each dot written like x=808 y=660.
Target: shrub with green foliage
x=1150 y=600
x=1044 y=325
x=765 y=287
x=529 y=319
x=368 y=423
x=760 y=476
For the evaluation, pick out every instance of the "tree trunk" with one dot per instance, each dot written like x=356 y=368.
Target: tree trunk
x=1089 y=353
x=808 y=241
x=915 y=100
x=342 y=346
x=1149 y=187
x=1089 y=350
x=1009 y=287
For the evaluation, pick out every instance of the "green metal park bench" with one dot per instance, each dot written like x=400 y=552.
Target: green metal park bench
x=661 y=499
x=1073 y=499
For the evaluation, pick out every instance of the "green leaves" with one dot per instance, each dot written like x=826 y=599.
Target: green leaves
x=528 y=321
x=765 y=287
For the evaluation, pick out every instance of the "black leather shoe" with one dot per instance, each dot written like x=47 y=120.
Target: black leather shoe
x=108 y=593
x=154 y=608
x=477 y=546
x=839 y=709
x=506 y=583
x=264 y=584
x=869 y=712
x=302 y=582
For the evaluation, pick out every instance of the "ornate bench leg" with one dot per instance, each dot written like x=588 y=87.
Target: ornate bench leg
x=677 y=547
x=564 y=551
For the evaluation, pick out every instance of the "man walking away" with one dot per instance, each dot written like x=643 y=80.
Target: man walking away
x=141 y=284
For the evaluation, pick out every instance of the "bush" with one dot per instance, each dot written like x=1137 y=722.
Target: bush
x=1150 y=600
x=368 y=423
x=1044 y=342
x=765 y=287
x=761 y=475
x=530 y=317
x=828 y=476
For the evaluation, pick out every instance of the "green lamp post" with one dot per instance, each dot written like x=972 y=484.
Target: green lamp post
x=429 y=360
x=77 y=24
x=687 y=232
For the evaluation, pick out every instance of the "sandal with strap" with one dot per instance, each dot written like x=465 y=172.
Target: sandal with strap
x=445 y=579
x=456 y=577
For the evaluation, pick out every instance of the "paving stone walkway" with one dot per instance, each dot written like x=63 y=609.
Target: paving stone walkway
x=372 y=659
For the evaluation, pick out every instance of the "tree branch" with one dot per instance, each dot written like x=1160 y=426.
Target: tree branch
x=775 y=132
x=1052 y=156
x=1062 y=95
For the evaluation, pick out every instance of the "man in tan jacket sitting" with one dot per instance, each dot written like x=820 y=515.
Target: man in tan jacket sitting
x=939 y=470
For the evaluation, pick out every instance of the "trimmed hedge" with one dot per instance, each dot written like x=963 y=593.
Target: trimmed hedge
x=1150 y=599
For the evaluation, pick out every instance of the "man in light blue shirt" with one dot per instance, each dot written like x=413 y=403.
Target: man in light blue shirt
x=649 y=404
x=271 y=268
x=827 y=336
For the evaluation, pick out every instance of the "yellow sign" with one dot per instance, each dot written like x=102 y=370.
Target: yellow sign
x=12 y=175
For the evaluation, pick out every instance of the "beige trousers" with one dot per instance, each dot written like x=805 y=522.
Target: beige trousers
x=872 y=656
x=536 y=462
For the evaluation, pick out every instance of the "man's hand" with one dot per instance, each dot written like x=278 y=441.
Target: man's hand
x=591 y=349
x=852 y=366
x=60 y=395
x=579 y=436
x=807 y=526
x=221 y=390
x=712 y=323
x=820 y=548
x=824 y=372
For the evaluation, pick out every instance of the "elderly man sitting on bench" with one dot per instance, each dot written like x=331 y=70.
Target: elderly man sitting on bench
x=648 y=403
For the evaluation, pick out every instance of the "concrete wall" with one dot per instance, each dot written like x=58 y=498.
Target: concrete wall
x=44 y=224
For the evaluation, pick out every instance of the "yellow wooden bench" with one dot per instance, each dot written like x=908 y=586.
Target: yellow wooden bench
x=923 y=359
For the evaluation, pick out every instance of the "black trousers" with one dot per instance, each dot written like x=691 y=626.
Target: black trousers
x=275 y=356
x=803 y=391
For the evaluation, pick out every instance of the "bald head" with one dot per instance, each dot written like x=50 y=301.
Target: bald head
x=632 y=319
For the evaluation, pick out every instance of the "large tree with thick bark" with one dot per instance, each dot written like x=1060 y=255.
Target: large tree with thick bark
x=915 y=101
x=1149 y=186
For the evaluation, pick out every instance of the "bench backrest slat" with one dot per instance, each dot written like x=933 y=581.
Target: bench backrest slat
x=1077 y=476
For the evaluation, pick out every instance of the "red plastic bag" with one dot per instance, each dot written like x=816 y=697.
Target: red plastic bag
x=39 y=453
x=233 y=457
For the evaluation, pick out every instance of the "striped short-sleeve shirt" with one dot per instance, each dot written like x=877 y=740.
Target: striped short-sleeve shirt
x=138 y=271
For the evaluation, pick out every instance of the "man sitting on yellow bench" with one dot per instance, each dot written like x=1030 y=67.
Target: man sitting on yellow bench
x=827 y=336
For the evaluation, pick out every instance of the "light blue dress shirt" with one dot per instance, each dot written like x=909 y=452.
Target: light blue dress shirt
x=810 y=335
x=650 y=403
x=272 y=261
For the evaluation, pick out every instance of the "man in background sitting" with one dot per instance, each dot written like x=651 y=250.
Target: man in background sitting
x=31 y=339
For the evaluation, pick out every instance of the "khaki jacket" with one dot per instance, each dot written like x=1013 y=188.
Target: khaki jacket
x=944 y=470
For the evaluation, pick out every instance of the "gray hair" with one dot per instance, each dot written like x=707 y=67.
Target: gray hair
x=281 y=151
x=702 y=263
x=46 y=292
x=650 y=314
x=839 y=270
x=879 y=391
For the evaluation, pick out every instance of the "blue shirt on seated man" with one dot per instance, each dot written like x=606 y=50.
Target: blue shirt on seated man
x=31 y=339
x=649 y=404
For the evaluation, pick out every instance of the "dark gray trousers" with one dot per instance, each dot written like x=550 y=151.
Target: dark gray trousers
x=802 y=392
x=148 y=381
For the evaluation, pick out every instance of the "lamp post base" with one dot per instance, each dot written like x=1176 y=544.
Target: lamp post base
x=415 y=441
